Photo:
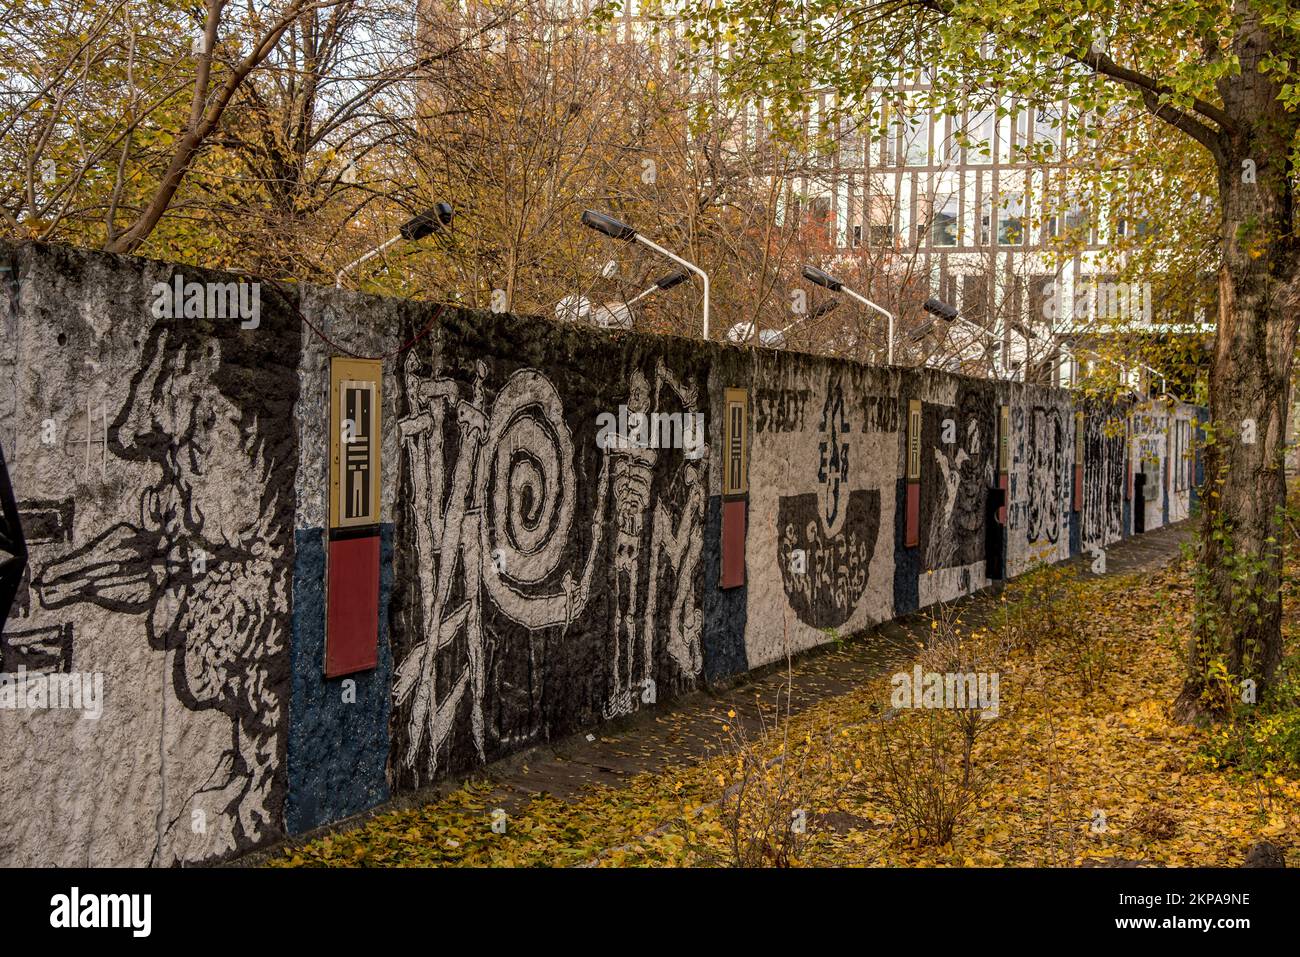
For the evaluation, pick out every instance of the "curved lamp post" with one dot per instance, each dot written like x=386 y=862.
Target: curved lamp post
x=675 y=278
x=415 y=228
x=742 y=332
x=949 y=314
x=826 y=280
x=615 y=229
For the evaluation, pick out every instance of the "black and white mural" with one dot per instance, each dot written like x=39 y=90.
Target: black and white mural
x=1104 y=476
x=822 y=461
x=160 y=522
x=545 y=492
x=548 y=553
x=958 y=457
x=1041 y=479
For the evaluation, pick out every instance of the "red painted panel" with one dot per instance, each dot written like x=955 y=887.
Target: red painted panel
x=913 y=532
x=352 y=606
x=733 y=543
x=1078 y=488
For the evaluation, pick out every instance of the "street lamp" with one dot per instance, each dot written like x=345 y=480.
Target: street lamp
x=615 y=229
x=942 y=310
x=743 y=332
x=921 y=331
x=415 y=228
x=827 y=281
x=675 y=278
x=949 y=314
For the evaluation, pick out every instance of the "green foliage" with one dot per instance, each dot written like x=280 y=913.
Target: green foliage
x=1264 y=739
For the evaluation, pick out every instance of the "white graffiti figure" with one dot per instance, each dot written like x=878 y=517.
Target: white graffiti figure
x=523 y=451
x=634 y=467
x=633 y=474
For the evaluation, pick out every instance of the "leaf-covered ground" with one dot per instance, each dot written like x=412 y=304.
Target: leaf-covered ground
x=1063 y=776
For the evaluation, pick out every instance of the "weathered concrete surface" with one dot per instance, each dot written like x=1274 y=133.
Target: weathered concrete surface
x=153 y=460
x=170 y=464
x=687 y=731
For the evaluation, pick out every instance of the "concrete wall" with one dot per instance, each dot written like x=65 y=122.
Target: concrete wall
x=153 y=464
x=170 y=477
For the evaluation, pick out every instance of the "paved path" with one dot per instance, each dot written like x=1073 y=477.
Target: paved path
x=686 y=730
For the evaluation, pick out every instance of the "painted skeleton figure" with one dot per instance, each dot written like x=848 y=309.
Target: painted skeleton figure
x=633 y=475
x=492 y=495
x=634 y=467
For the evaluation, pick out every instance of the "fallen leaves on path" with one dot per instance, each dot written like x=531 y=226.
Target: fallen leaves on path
x=1067 y=778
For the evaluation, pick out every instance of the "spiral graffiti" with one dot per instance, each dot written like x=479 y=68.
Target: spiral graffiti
x=528 y=467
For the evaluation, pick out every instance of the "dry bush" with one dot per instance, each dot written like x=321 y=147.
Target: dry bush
x=1031 y=612
x=769 y=793
x=926 y=773
x=1049 y=608
x=924 y=776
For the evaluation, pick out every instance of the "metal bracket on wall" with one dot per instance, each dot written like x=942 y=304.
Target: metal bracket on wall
x=735 y=487
x=912 y=532
x=352 y=568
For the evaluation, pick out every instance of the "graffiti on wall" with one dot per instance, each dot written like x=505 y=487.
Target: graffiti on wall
x=1045 y=436
x=958 y=448
x=675 y=523
x=519 y=552
x=208 y=578
x=827 y=538
x=1041 y=480
x=1102 y=519
x=542 y=581
x=824 y=447
x=1150 y=431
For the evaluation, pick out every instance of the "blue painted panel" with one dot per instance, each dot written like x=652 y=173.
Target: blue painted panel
x=337 y=751
x=723 y=641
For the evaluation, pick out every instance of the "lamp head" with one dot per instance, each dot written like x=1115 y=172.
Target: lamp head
x=672 y=279
x=822 y=278
x=608 y=225
x=429 y=221
x=937 y=307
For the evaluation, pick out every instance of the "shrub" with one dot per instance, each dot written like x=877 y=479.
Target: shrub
x=926 y=773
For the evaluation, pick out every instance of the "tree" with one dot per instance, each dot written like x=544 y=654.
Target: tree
x=1223 y=74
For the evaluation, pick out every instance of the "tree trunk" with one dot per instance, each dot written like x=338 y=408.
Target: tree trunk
x=1237 y=635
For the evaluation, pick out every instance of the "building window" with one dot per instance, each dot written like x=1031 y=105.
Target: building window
x=1011 y=220
x=979 y=134
x=1048 y=128
x=1076 y=216
x=943 y=229
x=916 y=139
x=857 y=236
x=880 y=220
